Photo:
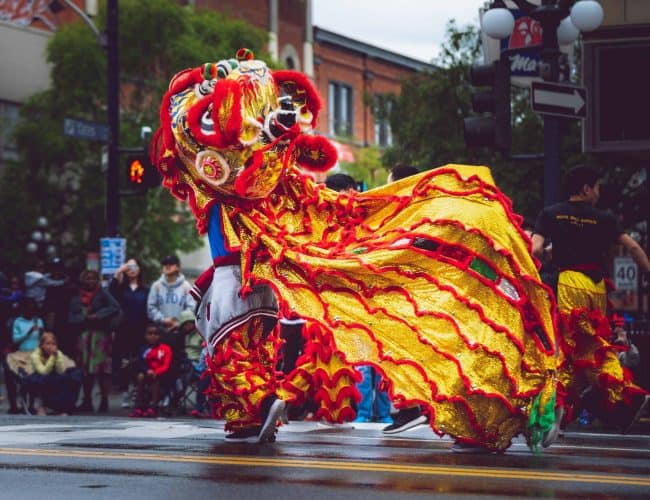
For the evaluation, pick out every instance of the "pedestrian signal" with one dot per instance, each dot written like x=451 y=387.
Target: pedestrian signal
x=140 y=173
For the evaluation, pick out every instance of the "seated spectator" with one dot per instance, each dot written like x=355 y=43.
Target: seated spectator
x=55 y=381
x=26 y=331
x=152 y=375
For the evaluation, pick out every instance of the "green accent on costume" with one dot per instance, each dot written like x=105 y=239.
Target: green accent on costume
x=541 y=420
x=483 y=268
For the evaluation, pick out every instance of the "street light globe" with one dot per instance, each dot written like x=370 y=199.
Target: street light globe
x=587 y=15
x=498 y=23
x=51 y=250
x=31 y=247
x=567 y=32
x=37 y=236
x=47 y=237
x=41 y=221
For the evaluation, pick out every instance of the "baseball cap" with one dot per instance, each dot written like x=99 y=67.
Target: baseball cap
x=170 y=259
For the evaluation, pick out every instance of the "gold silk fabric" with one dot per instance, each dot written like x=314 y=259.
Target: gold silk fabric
x=430 y=279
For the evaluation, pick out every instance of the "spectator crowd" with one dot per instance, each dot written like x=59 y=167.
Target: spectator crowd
x=66 y=339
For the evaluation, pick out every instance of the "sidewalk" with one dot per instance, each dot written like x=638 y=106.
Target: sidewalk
x=114 y=406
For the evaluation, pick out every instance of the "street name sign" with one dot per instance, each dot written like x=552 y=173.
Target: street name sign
x=83 y=129
x=558 y=99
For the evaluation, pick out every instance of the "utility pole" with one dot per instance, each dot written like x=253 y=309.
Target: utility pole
x=549 y=16
x=113 y=116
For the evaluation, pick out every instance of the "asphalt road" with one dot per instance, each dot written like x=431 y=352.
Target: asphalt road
x=117 y=458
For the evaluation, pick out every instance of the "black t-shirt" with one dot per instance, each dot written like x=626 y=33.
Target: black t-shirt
x=581 y=234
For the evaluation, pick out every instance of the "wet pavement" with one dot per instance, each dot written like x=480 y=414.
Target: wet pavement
x=112 y=457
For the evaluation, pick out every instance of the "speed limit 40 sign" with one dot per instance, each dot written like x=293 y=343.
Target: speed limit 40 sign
x=626 y=274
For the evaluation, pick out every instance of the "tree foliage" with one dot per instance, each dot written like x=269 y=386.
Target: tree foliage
x=367 y=167
x=427 y=118
x=61 y=177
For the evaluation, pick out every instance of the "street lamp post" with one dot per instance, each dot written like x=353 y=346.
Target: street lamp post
x=561 y=21
x=40 y=243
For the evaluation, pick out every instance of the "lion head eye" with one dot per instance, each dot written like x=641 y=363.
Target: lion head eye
x=207 y=87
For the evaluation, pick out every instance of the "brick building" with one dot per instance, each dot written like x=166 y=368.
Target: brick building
x=351 y=76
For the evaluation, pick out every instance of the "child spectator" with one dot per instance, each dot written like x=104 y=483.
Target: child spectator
x=152 y=373
x=55 y=382
x=27 y=327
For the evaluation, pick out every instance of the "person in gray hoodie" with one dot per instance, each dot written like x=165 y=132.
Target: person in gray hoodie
x=169 y=296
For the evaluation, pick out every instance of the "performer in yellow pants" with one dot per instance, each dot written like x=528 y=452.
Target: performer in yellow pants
x=589 y=373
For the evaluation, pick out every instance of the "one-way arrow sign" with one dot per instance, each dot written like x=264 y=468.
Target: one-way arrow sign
x=557 y=99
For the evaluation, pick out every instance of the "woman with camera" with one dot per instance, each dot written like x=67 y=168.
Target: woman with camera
x=129 y=290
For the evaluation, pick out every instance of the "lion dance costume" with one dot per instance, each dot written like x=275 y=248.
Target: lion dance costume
x=428 y=279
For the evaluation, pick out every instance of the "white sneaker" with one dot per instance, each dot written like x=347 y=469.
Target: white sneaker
x=126 y=400
x=554 y=432
x=267 y=431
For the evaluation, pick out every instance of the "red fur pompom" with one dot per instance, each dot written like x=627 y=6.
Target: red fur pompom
x=315 y=153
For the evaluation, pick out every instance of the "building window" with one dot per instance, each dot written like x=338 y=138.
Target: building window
x=381 y=115
x=290 y=57
x=339 y=106
x=9 y=114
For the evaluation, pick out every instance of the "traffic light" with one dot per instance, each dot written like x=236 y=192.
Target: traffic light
x=140 y=173
x=490 y=131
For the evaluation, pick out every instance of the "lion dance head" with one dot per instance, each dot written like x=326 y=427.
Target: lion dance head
x=231 y=130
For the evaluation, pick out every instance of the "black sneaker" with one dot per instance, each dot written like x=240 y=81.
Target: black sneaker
x=469 y=448
x=405 y=419
x=245 y=435
x=85 y=407
x=103 y=406
x=636 y=411
x=272 y=410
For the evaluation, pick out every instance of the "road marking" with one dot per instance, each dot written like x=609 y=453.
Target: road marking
x=434 y=470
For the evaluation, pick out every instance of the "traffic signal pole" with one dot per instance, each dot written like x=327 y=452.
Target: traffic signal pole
x=549 y=17
x=113 y=112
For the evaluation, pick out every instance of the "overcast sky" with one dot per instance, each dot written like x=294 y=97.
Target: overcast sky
x=415 y=28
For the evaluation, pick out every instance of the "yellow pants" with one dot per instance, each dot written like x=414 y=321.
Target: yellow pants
x=589 y=359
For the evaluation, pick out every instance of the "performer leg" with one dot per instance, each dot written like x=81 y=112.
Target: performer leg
x=243 y=383
x=591 y=376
